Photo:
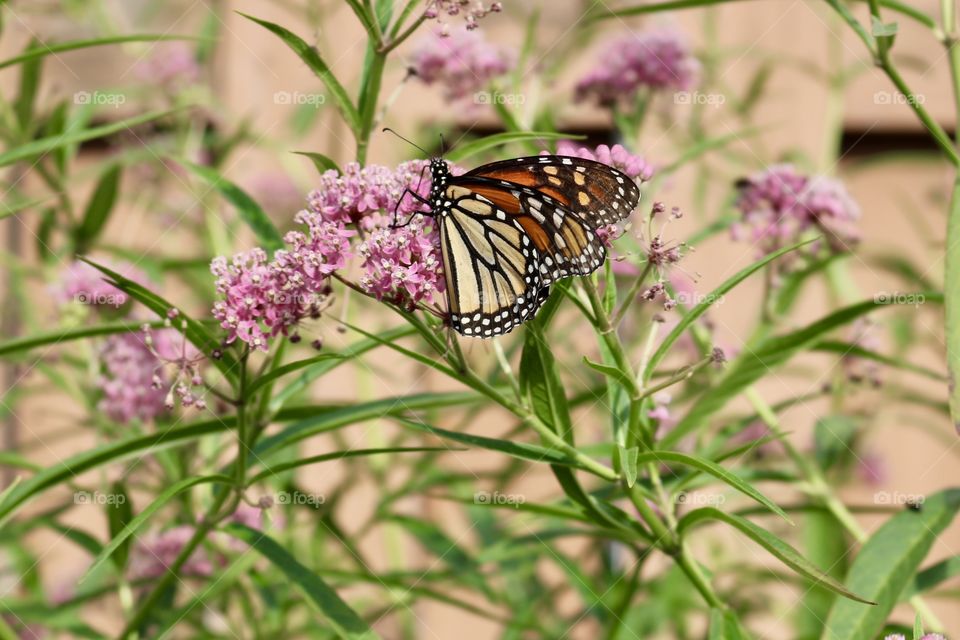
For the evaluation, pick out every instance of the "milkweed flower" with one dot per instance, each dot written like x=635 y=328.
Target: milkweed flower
x=780 y=203
x=155 y=552
x=658 y=60
x=402 y=265
x=84 y=283
x=127 y=381
x=471 y=10
x=462 y=62
x=174 y=65
x=616 y=156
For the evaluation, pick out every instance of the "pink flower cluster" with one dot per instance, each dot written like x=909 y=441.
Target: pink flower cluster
x=402 y=265
x=127 y=381
x=173 y=65
x=656 y=60
x=154 y=552
x=263 y=298
x=471 y=10
x=83 y=283
x=134 y=383
x=616 y=156
x=780 y=203
x=462 y=62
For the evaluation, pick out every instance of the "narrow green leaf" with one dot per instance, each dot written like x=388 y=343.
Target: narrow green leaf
x=833 y=439
x=654 y=7
x=47 y=49
x=474 y=147
x=917 y=627
x=716 y=471
x=98 y=209
x=312 y=58
x=932 y=577
x=29 y=83
x=852 y=350
x=628 y=461
x=120 y=539
x=57 y=337
x=540 y=382
x=45 y=145
x=345 y=621
x=520 y=450
x=611 y=372
x=275 y=469
x=724 y=625
x=13 y=208
x=756 y=361
x=250 y=212
x=886 y=564
x=119 y=515
x=321 y=162
x=777 y=547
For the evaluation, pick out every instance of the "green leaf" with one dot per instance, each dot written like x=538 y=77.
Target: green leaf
x=57 y=337
x=917 y=627
x=275 y=468
x=611 y=372
x=886 y=565
x=474 y=147
x=105 y=454
x=852 y=350
x=540 y=382
x=342 y=416
x=628 y=461
x=312 y=58
x=98 y=209
x=832 y=439
x=932 y=577
x=701 y=308
x=756 y=361
x=120 y=538
x=716 y=471
x=45 y=145
x=774 y=545
x=338 y=614
x=47 y=49
x=13 y=208
x=654 y=7
x=522 y=450
x=445 y=549
x=321 y=162
x=119 y=515
x=29 y=82
x=325 y=365
x=250 y=212
x=880 y=29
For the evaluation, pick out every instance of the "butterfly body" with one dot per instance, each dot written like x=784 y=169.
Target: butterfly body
x=510 y=229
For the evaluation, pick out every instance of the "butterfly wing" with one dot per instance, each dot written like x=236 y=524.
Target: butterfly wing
x=491 y=267
x=599 y=193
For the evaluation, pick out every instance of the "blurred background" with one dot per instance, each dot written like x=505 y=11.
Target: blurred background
x=772 y=69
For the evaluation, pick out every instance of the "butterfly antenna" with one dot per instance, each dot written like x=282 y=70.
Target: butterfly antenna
x=410 y=142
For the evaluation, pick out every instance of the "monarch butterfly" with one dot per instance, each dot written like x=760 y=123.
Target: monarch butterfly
x=510 y=229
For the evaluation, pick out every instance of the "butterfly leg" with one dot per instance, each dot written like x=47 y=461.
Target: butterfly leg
x=394 y=225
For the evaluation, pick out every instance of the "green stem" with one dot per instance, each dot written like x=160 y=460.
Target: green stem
x=691 y=568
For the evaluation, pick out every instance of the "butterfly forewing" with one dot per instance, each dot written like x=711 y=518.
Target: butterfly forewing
x=599 y=193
